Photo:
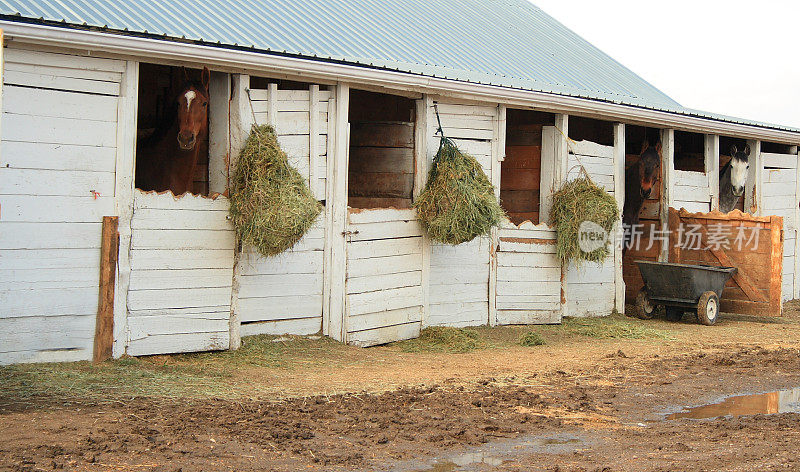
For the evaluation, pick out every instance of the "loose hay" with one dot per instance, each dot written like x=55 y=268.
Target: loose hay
x=271 y=204
x=458 y=203
x=577 y=201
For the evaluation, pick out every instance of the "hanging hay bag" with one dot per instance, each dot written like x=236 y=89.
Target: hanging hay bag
x=458 y=203
x=576 y=202
x=271 y=204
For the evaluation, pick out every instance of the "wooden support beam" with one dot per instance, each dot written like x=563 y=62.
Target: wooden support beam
x=797 y=227
x=313 y=139
x=422 y=162
x=712 y=168
x=104 y=326
x=219 y=90
x=560 y=173
x=752 y=190
x=498 y=156
x=668 y=173
x=619 y=195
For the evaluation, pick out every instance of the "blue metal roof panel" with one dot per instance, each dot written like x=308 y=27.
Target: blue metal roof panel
x=509 y=43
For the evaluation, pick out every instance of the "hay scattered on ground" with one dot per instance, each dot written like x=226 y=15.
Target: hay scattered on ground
x=271 y=204
x=577 y=201
x=532 y=338
x=445 y=339
x=612 y=327
x=458 y=203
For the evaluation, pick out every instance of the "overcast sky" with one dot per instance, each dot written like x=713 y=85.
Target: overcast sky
x=739 y=58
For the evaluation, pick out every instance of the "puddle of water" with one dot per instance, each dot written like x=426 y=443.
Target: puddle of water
x=497 y=453
x=784 y=401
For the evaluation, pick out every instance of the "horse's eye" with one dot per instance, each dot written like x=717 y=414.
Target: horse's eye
x=205 y=104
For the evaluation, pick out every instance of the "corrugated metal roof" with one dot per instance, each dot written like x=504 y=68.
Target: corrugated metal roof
x=509 y=43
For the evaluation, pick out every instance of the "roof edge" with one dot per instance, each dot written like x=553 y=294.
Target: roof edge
x=247 y=59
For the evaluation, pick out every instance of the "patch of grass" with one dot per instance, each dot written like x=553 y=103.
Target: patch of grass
x=612 y=327
x=532 y=338
x=445 y=339
x=196 y=375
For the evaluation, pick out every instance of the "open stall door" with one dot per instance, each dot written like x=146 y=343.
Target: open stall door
x=60 y=147
x=384 y=300
x=752 y=244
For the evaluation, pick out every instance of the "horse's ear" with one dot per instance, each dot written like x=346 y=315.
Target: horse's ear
x=205 y=77
x=746 y=150
x=733 y=150
x=645 y=145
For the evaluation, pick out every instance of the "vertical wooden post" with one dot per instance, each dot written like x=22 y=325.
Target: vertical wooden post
x=619 y=196
x=125 y=185
x=559 y=174
x=337 y=199
x=313 y=139
x=219 y=90
x=796 y=293
x=272 y=106
x=421 y=168
x=752 y=191
x=241 y=121
x=104 y=326
x=668 y=172
x=498 y=156
x=776 y=254
x=712 y=169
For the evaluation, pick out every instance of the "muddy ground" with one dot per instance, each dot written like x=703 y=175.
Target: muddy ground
x=606 y=416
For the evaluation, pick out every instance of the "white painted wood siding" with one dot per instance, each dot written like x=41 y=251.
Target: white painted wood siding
x=459 y=277
x=590 y=288
x=284 y=294
x=779 y=197
x=57 y=181
x=692 y=191
x=528 y=275
x=384 y=301
x=297 y=129
x=182 y=255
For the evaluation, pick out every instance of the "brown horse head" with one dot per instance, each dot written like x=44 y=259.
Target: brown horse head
x=649 y=167
x=193 y=111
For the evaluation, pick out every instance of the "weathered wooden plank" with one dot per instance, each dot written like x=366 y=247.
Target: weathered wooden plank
x=280 y=308
x=533 y=288
x=524 y=302
x=528 y=317
x=147 y=219
x=522 y=245
x=59 y=103
x=144 y=259
x=55 y=182
x=58 y=130
x=183 y=239
x=49 y=235
x=771 y=175
x=38 y=259
x=168 y=323
x=109 y=251
x=588 y=148
x=384 y=247
x=154 y=279
x=382 y=134
x=187 y=202
x=691 y=194
x=178 y=298
x=383 y=319
x=384 y=335
x=528 y=274
x=297 y=327
x=779 y=161
x=26 y=155
x=375 y=283
x=176 y=343
x=357 y=217
x=59 y=82
x=449 y=293
x=537 y=260
x=66 y=61
x=301 y=262
x=266 y=286
x=45 y=333
x=691 y=179
x=373 y=231
x=391 y=299
x=62 y=301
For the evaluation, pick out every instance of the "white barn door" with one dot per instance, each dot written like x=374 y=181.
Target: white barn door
x=57 y=181
x=384 y=293
x=779 y=197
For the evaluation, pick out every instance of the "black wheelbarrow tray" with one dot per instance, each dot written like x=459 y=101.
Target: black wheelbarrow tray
x=680 y=288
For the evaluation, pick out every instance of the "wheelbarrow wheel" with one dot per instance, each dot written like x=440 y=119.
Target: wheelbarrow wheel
x=708 y=308
x=644 y=306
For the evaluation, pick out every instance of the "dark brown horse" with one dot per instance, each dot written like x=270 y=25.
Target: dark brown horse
x=639 y=181
x=167 y=159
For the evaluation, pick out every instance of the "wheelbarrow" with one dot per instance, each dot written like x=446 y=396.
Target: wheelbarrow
x=681 y=288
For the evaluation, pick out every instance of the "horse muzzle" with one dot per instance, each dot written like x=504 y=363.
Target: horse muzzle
x=187 y=143
x=645 y=193
x=737 y=191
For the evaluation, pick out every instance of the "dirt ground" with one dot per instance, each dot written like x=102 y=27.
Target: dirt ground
x=579 y=403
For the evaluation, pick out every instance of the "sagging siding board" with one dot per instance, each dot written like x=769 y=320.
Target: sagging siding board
x=384 y=301
x=591 y=289
x=459 y=277
x=779 y=198
x=181 y=274
x=58 y=152
x=284 y=294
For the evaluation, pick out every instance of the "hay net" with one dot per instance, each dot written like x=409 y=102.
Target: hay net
x=272 y=206
x=458 y=203
x=575 y=203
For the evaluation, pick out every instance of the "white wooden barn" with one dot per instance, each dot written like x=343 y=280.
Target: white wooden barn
x=352 y=94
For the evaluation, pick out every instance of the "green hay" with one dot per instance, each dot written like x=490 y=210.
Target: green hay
x=577 y=201
x=532 y=338
x=271 y=204
x=458 y=203
x=444 y=339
